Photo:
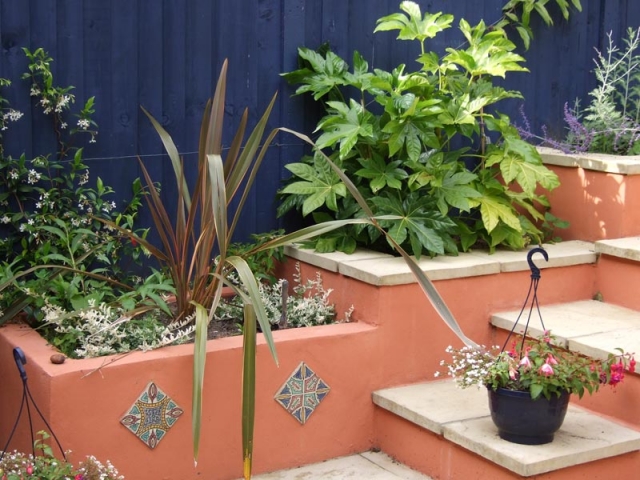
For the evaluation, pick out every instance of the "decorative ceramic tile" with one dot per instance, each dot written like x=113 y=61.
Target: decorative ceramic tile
x=302 y=393
x=151 y=415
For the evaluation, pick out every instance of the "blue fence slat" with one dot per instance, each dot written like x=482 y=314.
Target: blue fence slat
x=150 y=64
x=15 y=29
x=269 y=65
x=166 y=55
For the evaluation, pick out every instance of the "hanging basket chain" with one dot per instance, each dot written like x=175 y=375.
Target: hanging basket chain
x=21 y=360
x=533 y=288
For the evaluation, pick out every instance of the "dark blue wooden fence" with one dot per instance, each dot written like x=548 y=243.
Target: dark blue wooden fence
x=165 y=55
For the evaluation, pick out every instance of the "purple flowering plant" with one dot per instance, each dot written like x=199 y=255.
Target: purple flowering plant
x=611 y=122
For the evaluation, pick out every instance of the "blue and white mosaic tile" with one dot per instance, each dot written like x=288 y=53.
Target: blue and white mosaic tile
x=302 y=393
x=151 y=415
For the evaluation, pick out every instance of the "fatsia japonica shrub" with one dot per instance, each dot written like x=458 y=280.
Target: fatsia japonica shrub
x=441 y=168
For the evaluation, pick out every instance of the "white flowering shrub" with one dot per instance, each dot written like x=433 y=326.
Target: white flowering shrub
x=306 y=306
x=470 y=365
x=51 y=215
x=102 y=330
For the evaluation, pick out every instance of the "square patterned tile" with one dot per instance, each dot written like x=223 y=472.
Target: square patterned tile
x=302 y=393
x=151 y=415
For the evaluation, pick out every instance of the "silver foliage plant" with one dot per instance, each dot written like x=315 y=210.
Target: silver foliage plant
x=308 y=304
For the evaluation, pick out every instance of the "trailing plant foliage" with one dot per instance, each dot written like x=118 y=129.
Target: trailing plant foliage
x=421 y=146
x=610 y=123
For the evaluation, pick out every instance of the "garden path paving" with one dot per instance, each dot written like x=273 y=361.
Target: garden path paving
x=367 y=465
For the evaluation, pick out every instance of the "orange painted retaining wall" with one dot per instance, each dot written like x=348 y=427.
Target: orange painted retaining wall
x=618 y=280
x=85 y=410
x=598 y=205
x=397 y=339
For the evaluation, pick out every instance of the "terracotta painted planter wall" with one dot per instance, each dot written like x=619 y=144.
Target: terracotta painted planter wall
x=397 y=338
x=598 y=194
x=85 y=410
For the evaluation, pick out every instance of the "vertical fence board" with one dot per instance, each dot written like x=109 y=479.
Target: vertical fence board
x=269 y=66
x=16 y=25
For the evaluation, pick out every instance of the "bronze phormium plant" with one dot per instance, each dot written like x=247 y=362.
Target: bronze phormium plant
x=194 y=248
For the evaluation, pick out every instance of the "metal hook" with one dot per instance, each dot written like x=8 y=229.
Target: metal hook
x=21 y=360
x=535 y=271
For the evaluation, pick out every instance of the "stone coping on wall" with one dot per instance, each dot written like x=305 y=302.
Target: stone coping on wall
x=381 y=269
x=627 y=248
x=624 y=165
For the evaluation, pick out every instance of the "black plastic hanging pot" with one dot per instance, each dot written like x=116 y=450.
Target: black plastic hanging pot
x=521 y=419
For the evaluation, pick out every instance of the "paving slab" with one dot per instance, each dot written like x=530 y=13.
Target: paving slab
x=368 y=465
x=429 y=411
x=563 y=254
x=627 y=248
x=600 y=162
x=588 y=326
x=583 y=437
x=382 y=269
x=330 y=261
x=395 y=271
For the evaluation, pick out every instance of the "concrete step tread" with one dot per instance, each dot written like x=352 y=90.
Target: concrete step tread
x=625 y=165
x=627 y=248
x=381 y=269
x=462 y=417
x=590 y=327
x=369 y=465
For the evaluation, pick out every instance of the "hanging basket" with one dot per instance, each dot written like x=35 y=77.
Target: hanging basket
x=520 y=418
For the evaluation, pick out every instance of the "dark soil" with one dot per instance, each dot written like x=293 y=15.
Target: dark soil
x=224 y=328
x=231 y=328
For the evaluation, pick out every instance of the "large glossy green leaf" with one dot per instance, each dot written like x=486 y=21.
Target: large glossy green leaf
x=455 y=189
x=320 y=185
x=344 y=126
x=381 y=173
x=494 y=209
x=414 y=26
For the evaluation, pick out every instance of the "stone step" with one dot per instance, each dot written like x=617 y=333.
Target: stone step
x=626 y=248
x=379 y=269
x=462 y=417
x=590 y=327
x=367 y=465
